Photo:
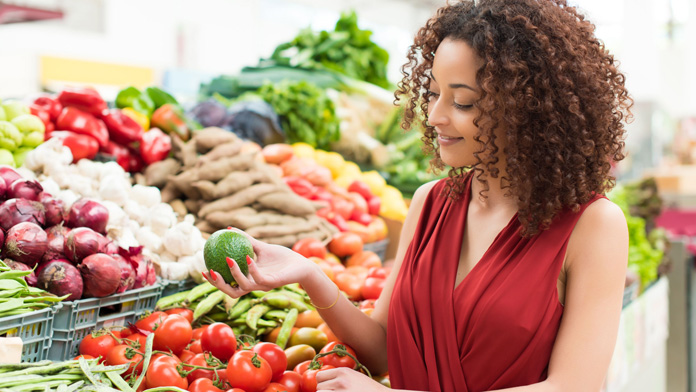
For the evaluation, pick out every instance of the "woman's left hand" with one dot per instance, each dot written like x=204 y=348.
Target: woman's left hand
x=345 y=379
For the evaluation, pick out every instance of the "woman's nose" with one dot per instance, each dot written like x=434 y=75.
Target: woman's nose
x=437 y=114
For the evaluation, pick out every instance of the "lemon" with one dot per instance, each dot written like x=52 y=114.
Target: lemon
x=303 y=150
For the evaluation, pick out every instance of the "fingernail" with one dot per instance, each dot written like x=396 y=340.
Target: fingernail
x=205 y=277
x=229 y=227
x=249 y=260
x=212 y=275
x=230 y=262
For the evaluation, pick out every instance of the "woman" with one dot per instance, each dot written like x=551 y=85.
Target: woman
x=508 y=276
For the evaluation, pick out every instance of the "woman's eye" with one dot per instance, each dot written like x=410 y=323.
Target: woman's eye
x=429 y=95
x=462 y=107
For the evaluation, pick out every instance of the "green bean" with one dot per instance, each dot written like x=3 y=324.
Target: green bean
x=51 y=368
x=12 y=304
x=286 y=328
x=11 y=293
x=276 y=314
x=12 y=284
x=119 y=382
x=242 y=306
x=255 y=314
x=295 y=296
x=16 y=312
x=199 y=291
x=283 y=300
x=10 y=381
x=11 y=367
x=230 y=303
x=219 y=316
x=12 y=274
x=146 y=360
x=172 y=301
x=208 y=303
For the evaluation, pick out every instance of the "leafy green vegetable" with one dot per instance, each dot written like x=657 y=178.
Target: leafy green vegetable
x=348 y=50
x=306 y=112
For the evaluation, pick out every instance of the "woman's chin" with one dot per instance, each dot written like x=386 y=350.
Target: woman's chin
x=457 y=160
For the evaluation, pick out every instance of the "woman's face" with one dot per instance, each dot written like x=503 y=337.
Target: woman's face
x=453 y=91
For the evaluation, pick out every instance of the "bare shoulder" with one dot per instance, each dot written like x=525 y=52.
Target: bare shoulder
x=601 y=232
x=422 y=192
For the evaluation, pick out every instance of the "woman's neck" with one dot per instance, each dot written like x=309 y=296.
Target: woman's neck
x=496 y=197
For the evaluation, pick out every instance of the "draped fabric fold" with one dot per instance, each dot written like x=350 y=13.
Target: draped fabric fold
x=497 y=328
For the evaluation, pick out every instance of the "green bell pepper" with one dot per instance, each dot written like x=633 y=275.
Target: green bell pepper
x=131 y=97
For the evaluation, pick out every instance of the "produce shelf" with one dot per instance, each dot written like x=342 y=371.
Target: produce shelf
x=76 y=319
x=35 y=331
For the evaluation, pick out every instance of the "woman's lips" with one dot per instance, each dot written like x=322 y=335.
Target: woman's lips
x=448 y=140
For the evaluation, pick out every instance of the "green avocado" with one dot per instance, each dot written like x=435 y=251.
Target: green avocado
x=223 y=244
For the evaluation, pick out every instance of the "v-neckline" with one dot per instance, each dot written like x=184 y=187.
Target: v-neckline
x=460 y=242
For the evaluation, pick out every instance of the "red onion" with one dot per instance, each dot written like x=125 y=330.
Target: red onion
x=17 y=266
x=9 y=174
x=61 y=278
x=24 y=189
x=88 y=213
x=109 y=247
x=127 y=273
x=135 y=257
x=16 y=211
x=3 y=188
x=53 y=208
x=101 y=275
x=26 y=242
x=56 y=242
x=2 y=238
x=151 y=273
x=82 y=242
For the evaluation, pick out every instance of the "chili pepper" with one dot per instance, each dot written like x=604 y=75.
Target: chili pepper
x=85 y=99
x=119 y=153
x=41 y=113
x=155 y=146
x=140 y=118
x=81 y=146
x=170 y=119
x=122 y=129
x=78 y=121
x=50 y=105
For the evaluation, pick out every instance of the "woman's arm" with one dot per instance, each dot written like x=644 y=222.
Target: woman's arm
x=596 y=270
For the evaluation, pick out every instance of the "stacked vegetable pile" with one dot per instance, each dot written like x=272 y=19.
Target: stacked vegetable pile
x=81 y=119
x=21 y=129
x=133 y=217
x=209 y=358
x=66 y=244
x=228 y=184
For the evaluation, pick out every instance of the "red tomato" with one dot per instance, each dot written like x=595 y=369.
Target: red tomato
x=203 y=385
x=345 y=244
x=163 y=372
x=342 y=207
x=358 y=201
x=309 y=379
x=137 y=341
x=219 y=340
x=247 y=370
x=275 y=387
x=195 y=347
x=372 y=288
x=199 y=360
x=235 y=390
x=309 y=247
x=362 y=188
x=291 y=381
x=167 y=358
x=302 y=367
x=83 y=356
x=334 y=359
x=365 y=258
x=274 y=355
x=367 y=304
x=379 y=272
x=97 y=346
x=122 y=354
x=350 y=284
x=186 y=355
x=187 y=313
x=173 y=334
x=198 y=332
x=149 y=323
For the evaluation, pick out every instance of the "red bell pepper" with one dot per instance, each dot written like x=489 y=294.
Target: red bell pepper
x=75 y=120
x=155 y=146
x=135 y=162
x=51 y=105
x=120 y=153
x=41 y=113
x=85 y=99
x=122 y=128
x=170 y=119
x=81 y=146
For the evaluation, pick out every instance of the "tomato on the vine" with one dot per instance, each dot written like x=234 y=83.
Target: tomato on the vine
x=274 y=355
x=186 y=355
x=203 y=385
x=200 y=360
x=219 y=340
x=275 y=387
x=124 y=354
x=86 y=356
x=186 y=313
x=173 y=334
x=151 y=322
x=345 y=244
x=309 y=379
x=334 y=359
x=291 y=380
x=247 y=370
x=97 y=345
x=163 y=372
x=302 y=367
x=308 y=247
x=196 y=347
x=137 y=341
x=198 y=332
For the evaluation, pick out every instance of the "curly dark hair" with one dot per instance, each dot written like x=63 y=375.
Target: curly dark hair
x=549 y=83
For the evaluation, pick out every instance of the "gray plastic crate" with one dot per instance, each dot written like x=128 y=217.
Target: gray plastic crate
x=76 y=319
x=379 y=247
x=176 y=286
x=34 y=328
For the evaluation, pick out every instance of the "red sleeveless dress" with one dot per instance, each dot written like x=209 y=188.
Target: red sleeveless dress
x=497 y=328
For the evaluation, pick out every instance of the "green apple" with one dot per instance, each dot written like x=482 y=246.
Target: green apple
x=10 y=136
x=32 y=139
x=14 y=109
x=6 y=158
x=28 y=123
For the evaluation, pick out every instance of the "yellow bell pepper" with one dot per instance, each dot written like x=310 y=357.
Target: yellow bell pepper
x=140 y=118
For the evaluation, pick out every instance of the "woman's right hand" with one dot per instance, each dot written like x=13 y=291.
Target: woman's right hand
x=274 y=266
